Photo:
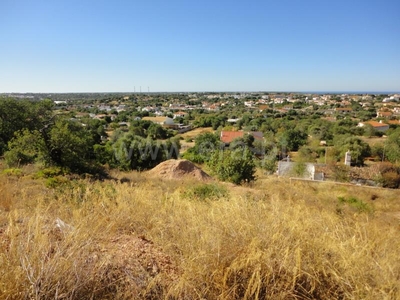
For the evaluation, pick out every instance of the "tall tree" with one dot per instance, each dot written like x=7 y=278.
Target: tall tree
x=359 y=149
x=17 y=115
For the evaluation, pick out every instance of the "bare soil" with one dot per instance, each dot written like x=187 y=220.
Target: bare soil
x=178 y=169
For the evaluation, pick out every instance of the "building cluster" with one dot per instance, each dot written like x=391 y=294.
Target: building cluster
x=385 y=108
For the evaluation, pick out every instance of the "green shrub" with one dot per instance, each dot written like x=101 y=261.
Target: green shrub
x=300 y=169
x=269 y=165
x=50 y=172
x=234 y=166
x=389 y=176
x=205 y=192
x=193 y=156
x=26 y=147
x=189 y=140
x=340 y=173
x=54 y=182
x=389 y=179
x=355 y=203
x=205 y=145
x=13 y=172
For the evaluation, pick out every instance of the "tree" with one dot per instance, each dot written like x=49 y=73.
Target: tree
x=205 y=145
x=132 y=152
x=392 y=146
x=308 y=154
x=156 y=131
x=369 y=130
x=321 y=131
x=137 y=130
x=104 y=154
x=26 y=147
x=292 y=139
x=18 y=115
x=246 y=141
x=70 y=145
x=63 y=143
x=234 y=166
x=95 y=128
x=217 y=122
x=359 y=149
x=378 y=151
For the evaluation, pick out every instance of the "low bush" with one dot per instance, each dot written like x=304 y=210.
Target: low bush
x=208 y=191
x=357 y=204
x=50 y=172
x=13 y=172
x=235 y=166
x=389 y=176
x=54 y=182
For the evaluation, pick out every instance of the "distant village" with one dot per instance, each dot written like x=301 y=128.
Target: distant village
x=163 y=109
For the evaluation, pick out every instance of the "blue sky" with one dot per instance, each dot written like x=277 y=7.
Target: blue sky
x=117 y=46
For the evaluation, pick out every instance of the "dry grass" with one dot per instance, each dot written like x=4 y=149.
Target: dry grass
x=192 y=134
x=145 y=239
x=373 y=140
x=195 y=132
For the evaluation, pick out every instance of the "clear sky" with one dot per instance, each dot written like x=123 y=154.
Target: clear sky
x=219 y=45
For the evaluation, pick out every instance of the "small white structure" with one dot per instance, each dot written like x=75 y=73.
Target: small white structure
x=287 y=168
x=163 y=121
x=347 y=159
x=233 y=120
x=59 y=102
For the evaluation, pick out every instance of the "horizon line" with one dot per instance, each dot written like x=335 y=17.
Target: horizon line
x=210 y=91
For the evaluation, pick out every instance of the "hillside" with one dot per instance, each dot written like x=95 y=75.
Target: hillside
x=142 y=237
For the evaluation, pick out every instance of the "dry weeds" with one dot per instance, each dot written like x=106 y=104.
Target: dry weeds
x=141 y=239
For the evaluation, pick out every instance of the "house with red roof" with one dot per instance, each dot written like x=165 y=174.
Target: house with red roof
x=343 y=110
x=394 y=122
x=228 y=136
x=379 y=126
x=384 y=114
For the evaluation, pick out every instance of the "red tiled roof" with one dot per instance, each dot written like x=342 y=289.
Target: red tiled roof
x=228 y=136
x=385 y=113
x=394 y=122
x=376 y=124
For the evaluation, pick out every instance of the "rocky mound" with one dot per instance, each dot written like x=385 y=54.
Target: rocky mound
x=177 y=169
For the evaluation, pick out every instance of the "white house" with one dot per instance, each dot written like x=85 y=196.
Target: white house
x=180 y=114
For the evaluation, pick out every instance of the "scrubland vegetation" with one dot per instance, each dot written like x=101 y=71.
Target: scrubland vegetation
x=141 y=238
x=80 y=219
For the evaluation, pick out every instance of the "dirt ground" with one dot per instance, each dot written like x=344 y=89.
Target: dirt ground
x=178 y=169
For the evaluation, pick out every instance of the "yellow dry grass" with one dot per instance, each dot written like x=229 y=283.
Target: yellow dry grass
x=195 y=132
x=145 y=239
x=373 y=140
x=192 y=134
